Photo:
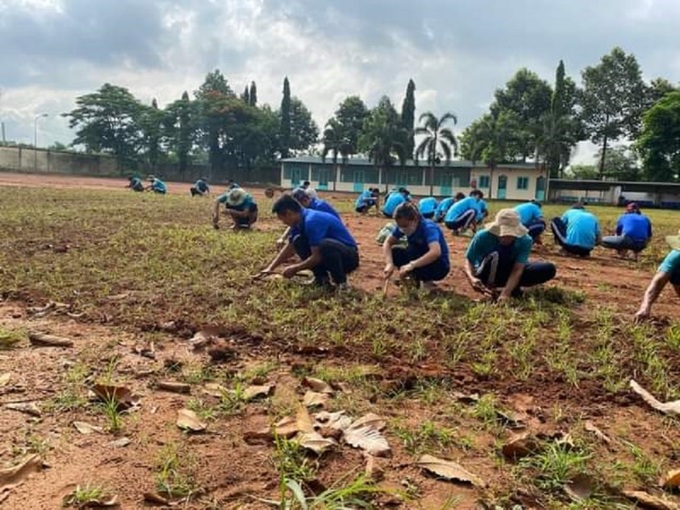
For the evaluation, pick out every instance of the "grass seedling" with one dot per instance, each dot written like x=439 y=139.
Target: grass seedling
x=86 y=495
x=291 y=461
x=174 y=476
x=555 y=465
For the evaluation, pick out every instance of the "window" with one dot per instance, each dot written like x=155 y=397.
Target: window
x=522 y=183
x=483 y=181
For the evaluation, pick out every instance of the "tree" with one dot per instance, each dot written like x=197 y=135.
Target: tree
x=612 y=100
x=408 y=112
x=108 y=121
x=284 y=116
x=252 y=97
x=659 y=143
x=582 y=172
x=335 y=143
x=525 y=99
x=657 y=90
x=151 y=124
x=437 y=140
x=180 y=128
x=303 y=131
x=350 y=117
x=246 y=95
x=622 y=164
x=383 y=137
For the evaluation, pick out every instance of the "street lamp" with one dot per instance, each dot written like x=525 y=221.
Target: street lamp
x=35 y=139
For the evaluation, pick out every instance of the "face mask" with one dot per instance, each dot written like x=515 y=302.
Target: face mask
x=410 y=230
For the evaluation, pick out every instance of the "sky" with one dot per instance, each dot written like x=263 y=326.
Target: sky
x=458 y=52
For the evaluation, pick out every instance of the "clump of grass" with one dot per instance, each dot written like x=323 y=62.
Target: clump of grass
x=10 y=338
x=555 y=465
x=291 y=461
x=86 y=495
x=73 y=396
x=175 y=472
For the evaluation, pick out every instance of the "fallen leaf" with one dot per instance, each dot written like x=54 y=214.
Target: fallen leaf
x=4 y=379
x=187 y=420
x=199 y=340
x=121 y=395
x=214 y=390
x=370 y=420
x=25 y=407
x=449 y=470
x=254 y=392
x=373 y=471
x=315 y=442
x=317 y=385
x=174 y=387
x=146 y=351
x=303 y=420
x=285 y=428
x=86 y=428
x=672 y=408
x=510 y=419
x=14 y=476
x=157 y=499
x=119 y=297
x=45 y=340
x=338 y=420
x=671 y=480
x=590 y=427
x=314 y=399
x=521 y=446
x=368 y=439
x=648 y=501
x=579 y=488
x=120 y=443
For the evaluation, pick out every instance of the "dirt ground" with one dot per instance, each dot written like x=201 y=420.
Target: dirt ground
x=233 y=470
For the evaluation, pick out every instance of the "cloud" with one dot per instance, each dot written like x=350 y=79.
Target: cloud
x=458 y=53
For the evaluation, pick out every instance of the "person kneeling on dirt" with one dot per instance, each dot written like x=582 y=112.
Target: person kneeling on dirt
x=135 y=184
x=531 y=216
x=316 y=204
x=427 y=207
x=445 y=205
x=200 y=188
x=497 y=259
x=463 y=213
x=426 y=256
x=577 y=231
x=367 y=200
x=633 y=232
x=669 y=271
x=156 y=185
x=241 y=207
x=323 y=244
x=394 y=200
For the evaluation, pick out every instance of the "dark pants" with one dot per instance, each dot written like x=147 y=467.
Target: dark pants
x=337 y=258
x=536 y=228
x=623 y=243
x=495 y=270
x=195 y=191
x=429 y=215
x=386 y=215
x=244 y=221
x=433 y=272
x=138 y=188
x=559 y=230
x=675 y=277
x=463 y=221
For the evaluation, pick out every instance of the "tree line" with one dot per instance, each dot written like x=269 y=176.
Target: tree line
x=529 y=120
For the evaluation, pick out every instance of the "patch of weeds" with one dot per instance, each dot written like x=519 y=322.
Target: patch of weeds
x=428 y=437
x=485 y=366
x=175 y=471
x=559 y=295
x=555 y=465
x=358 y=493
x=10 y=338
x=232 y=401
x=85 y=495
x=673 y=337
x=202 y=409
x=261 y=370
x=113 y=413
x=643 y=467
x=73 y=396
x=198 y=374
x=291 y=461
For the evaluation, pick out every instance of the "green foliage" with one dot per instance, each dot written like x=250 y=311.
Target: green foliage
x=659 y=143
x=408 y=112
x=436 y=141
x=284 y=120
x=384 y=138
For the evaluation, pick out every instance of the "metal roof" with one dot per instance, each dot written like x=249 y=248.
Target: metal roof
x=316 y=160
x=590 y=185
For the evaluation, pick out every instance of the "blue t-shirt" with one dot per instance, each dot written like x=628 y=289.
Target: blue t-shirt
x=582 y=228
x=321 y=205
x=202 y=186
x=366 y=198
x=462 y=206
x=427 y=232
x=529 y=213
x=427 y=205
x=393 y=201
x=671 y=263
x=136 y=182
x=247 y=205
x=485 y=243
x=444 y=206
x=317 y=226
x=636 y=226
x=158 y=185
x=481 y=210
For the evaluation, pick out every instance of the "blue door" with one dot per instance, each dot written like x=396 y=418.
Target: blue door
x=502 y=187
x=295 y=176
x=324 y=177
x=540 y=189
x=358 y=181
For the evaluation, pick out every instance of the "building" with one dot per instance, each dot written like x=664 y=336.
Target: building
x=665 y=195
x=517 y=181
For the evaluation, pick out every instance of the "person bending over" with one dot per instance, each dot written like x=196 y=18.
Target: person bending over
x=669 y=271
x=463 y=214
x=577 y=231
x=316 y=204
x=531 y=216
x=156 y=185
x=241 y=208
x=200 y=188
x=135 y=184
x=393 y=200
x=633 y=232
x=427 y=207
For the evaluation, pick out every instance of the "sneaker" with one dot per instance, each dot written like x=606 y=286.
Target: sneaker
x=429 y=286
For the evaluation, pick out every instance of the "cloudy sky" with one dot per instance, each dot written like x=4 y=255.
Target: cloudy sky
x=457 y=51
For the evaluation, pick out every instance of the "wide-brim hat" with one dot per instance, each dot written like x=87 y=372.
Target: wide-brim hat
x=674 y=241
x=507 y=223
x=236 y=197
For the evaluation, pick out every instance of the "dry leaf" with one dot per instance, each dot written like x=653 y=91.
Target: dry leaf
x=200 y=340
x=648 y=501
x=118 y=297
x=44 y=340
x=254 y=392
x=579 y=488
x=152 y=497
x=175 y=387
x=286 y=428
x=336 y=421
x=317 y=385
x=120 y=443
x=449 y=470
x=187 y=420
x=672 y=408
x=25 y=407
x=303 y=420
x=368 y=439
x=521 y=446
x=314 y=399
x=12 y=477
x=370 y=420
x=510 y=419
x=4 y=379
x=119 y=394
x=590 y=427
x=671 y=480
x=315 y=442
x=373 y=471
x=86 y=428
x=214 y=390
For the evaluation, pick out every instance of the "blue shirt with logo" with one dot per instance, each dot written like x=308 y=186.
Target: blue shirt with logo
x=427 y=205
x=529 y=213
x=317 y=226
x=484 y=243
x=393 y=201
x=462 y=206
x=427 y=232
x=582 y=228
x=443 y=207
x=671 y=264
x=636 y=226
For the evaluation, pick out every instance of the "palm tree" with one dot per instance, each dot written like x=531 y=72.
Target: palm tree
x=336 y=143
x=438 y=140
x=491 y=137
